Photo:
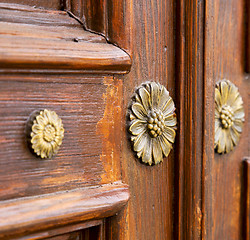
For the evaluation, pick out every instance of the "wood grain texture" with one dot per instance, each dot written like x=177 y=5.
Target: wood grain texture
x=195 y=108
x=29 y=37
x=52 y=4
x=247 y=35
x=246 y=199
x=68 y=236
x=145 y=29
x=90 y=110
x=58 y=231
x=110 y=18
x=225 y=59
x=26 y=215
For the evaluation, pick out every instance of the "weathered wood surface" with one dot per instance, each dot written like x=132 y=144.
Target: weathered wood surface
x=196 y=125
x=246 y=199
x=46 y=39
x=225 y=58
x=80 y=228
x=52 y=4
x=90 y=110
x=27 y=215
x=146 y=30
x=247 y=37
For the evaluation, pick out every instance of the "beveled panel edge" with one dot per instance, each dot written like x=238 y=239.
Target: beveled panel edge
x=30 y=40
x=35 y=214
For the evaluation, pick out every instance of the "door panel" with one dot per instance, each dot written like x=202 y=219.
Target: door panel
x=54 y=59
x=225 y=59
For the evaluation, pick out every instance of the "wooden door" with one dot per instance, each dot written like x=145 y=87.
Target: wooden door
x=84 y=59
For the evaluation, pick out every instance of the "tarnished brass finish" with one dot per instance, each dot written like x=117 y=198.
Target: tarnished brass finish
x=45 y=133
x=229 y=116
x=152 y=122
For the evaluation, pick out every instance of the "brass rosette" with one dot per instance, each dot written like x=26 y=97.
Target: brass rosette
x=229 y=116
x=45 y=133
x=152 y=122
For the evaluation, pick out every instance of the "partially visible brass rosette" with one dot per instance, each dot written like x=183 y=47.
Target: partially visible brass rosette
x=229 y=116
x=44 y=133
x=152 y=122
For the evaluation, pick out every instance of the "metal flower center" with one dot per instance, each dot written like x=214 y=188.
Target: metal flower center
x=49 y=133
x=155 y=123
x=226 y=116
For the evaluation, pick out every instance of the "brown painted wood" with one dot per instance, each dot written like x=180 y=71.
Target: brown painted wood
x=26 y=215
x=58 y=35
x=89 y=108
x=246 y=200
x=225 y=51
x=79 y=227
x=195 y=139
x=185 y=45
x=68 y=236
x=145 y=29
x=52 y=4
x=247 y=12
x=109 y=18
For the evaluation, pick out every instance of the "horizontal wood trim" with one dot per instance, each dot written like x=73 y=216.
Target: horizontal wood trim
x=45 y=39
x=28 y=215
x=58 y=232
x=52 y=4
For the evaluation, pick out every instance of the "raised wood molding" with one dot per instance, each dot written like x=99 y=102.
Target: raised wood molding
x=35 y=214
x=247 y=36
x=33 y=38
x=110 y=18
x=246 y=207
x=118 y=21
x=195 y=146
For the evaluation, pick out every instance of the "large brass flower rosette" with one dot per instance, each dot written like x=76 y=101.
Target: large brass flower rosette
x=229 y=116
x=44 y=133
x=152 y=122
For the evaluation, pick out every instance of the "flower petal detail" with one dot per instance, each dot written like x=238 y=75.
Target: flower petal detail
x=234 y=135
x=222 y=142
x=233 y=94
x=155 y=95
x=140 y=142
x=40 y=120
x=169 y=107
x=224 y=92
x=169 y=133
x=171 y=120
x=229 y=144
x=157 y=152
x=152 y=122
x=163 y=98
x=139 y=111
x=147 y=151
x=46 y=133
x=145 y=97
x=239 y=114
x=165 y=145
x=137 y=127
x=229 y=116
x=217 y=97
x=238 y=126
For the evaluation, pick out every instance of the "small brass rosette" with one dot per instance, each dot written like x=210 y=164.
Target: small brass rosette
x=45 y=133
x=229 y=116
x=152 y=122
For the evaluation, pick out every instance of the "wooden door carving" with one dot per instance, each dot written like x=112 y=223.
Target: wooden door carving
x=102 y=51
